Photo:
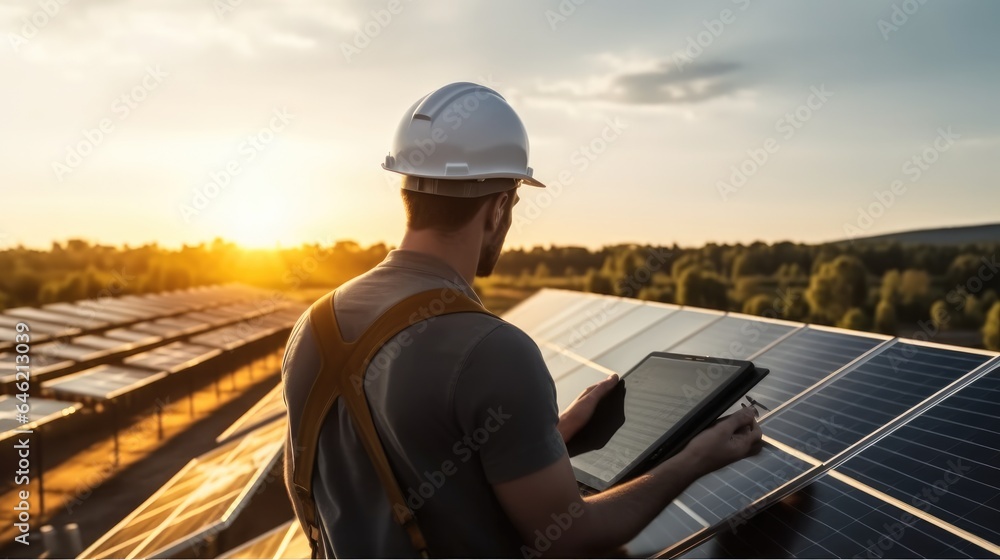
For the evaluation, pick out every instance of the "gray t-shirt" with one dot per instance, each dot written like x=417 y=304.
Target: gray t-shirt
x=464 y=403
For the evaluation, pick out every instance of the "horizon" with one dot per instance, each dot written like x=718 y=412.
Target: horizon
x=507 y=246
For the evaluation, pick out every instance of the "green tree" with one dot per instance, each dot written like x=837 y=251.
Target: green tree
x=889 y=290
x=855 y=319
x=885 y=317
x=991 y=329
x=702 y=288
x=542 y=271
x=941 y=316
x=759 y=304
x=597 y=283
x=837 y=286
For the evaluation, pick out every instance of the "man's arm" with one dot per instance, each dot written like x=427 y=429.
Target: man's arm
x=603 y=522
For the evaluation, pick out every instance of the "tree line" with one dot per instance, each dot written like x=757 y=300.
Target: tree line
x=884 y=287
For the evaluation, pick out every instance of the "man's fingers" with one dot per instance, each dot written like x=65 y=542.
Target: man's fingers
x=598 y=390
x=740 y=419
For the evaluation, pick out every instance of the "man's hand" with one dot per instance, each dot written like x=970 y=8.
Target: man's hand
x=578 y=413
x=730 y=439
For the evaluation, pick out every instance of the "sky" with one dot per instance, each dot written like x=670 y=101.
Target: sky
x=265 y=122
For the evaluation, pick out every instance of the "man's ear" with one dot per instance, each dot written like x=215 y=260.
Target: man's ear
x=495 y=211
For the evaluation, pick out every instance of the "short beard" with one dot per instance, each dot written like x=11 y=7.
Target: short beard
x=488 y=257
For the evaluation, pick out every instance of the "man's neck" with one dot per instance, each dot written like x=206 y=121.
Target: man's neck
x=459 y=250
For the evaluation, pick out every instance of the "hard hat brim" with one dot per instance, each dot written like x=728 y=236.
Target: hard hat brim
x=523 y=177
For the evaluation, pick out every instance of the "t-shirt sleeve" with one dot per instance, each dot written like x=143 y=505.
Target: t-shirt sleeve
x=505 y=402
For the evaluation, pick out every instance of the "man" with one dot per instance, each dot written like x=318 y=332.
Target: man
x=463 y=404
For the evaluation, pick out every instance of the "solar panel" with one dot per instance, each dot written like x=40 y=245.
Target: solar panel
x=718 y=496
x=42 y=412
x=69 y=351
x=230 y=338
x=30 y=314
x=91 y=313
x=834 y=392
x=619 y=328
x=735 y=338
x=205 y=496
x=41 y=365
x=103 y=382
x=136 y=337
x=284 y=541
x=537 y=309
x=945 y=461
x=866 y=396
x=168 y=330
x=173 y=357
x=42 y=327
x=593 y=318
x=103 y=342
x=603 y=332
x=269 y=408
x=202 y=318
x=659 y=336
x=829 y=519
x=573 y=316
x=805 y=358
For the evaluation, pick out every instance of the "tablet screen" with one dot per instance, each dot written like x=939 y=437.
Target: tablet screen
x=651 y=402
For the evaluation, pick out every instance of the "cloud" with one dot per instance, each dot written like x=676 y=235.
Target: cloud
x=649 y=82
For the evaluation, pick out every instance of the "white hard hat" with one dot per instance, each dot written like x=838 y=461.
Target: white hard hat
x=461 y=140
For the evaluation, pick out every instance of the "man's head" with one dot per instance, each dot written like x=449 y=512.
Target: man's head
x=463 y=152
x=448 y=216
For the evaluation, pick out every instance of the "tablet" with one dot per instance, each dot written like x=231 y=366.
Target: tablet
x=656 y=408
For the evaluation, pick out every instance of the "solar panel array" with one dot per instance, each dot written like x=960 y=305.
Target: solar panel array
x=202 y=499
x=849 y=412
x=858 y=429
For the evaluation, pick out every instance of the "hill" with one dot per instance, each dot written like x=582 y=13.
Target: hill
x=964 y=235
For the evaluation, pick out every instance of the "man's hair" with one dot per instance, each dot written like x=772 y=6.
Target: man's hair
x=446 y=214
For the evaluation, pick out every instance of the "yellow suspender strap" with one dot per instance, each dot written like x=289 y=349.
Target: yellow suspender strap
x=342 y=374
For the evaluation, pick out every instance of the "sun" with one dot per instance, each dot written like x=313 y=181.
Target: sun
x=257 y=220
